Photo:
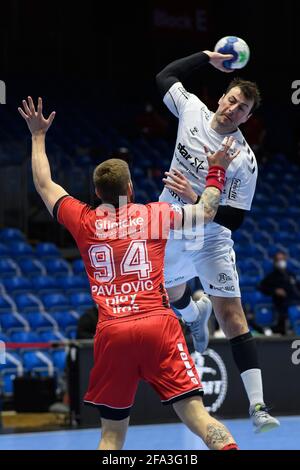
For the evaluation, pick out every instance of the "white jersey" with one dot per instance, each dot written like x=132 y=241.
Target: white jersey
x=195 y=132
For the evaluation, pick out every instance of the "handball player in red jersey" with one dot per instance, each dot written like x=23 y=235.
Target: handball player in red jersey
x=122 y=244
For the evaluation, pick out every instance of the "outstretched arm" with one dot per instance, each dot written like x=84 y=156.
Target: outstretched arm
x=38 y=125
x=178 y=70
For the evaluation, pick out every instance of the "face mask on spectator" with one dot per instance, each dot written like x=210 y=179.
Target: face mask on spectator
x=281 y=264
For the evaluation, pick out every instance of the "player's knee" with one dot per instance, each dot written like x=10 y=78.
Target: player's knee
x=176 y=293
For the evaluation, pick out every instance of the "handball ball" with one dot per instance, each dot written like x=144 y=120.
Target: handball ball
x=235 y=46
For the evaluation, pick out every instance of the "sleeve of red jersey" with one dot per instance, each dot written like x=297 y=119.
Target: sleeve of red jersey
x=166 y=217
x=69 y=211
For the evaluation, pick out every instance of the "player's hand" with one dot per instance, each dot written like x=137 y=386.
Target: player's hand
x=224 y=156
x=177 y=182
x=216 y=59
x=34 y=118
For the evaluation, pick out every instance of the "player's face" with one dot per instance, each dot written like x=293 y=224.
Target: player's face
x=234 y=109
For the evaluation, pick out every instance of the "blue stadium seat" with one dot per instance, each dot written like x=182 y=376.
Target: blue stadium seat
x=264 y=316
x=4 y=251
x=273 y=249
x=11 y=234
x=294 y=211
x=267 y=266
x=25 y=337
x=4 y=337
x=51 y=301
x=6 y=303
x=71 y=332
x=8 y=267
x=53 y=335
x=263 y=237
x=59 y=359
x=45 y=284
x=78 y=266
x=74 y=283
x=57 y=266
x=81 y=299
x=12 y=359
x=249 y=264
x=253 y=298
x=47 y=250
x=32 y=267
x=284 y=237
x=249 y=224
x=66 y=318
x=38 y=321
x=269 y=225
x=20 y=249
x=38 y=361
x=242 y=237
x=27 y=302
x=294 y=265
x=289 y=225
x=295 y=250
x=13 y=322
x=248 y=280
x=17 y=284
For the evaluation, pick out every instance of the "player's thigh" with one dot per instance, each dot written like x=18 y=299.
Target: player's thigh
x=115 y=374
x=216 y=268
x=169 y=368
x=178 y=265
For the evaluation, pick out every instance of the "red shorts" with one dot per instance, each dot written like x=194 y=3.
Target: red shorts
x=150 y=348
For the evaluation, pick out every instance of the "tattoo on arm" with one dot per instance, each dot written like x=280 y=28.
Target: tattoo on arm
x=217 y=436
x=210 y=198
x=203 y=212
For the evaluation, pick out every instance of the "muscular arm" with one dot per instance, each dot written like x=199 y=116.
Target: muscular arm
x=38 y=125
x=208 y=205
x=49 y=191
x=203 y=212
x=178 y=70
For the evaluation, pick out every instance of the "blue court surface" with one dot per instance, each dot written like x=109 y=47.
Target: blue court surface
x=159 y=437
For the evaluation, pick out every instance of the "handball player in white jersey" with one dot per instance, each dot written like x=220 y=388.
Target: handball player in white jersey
x=201 y=131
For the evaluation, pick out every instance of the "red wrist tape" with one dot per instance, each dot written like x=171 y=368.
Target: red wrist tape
x=230 y=447
x=216 y=177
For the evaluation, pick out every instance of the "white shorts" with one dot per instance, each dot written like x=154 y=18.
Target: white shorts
x=214 y=264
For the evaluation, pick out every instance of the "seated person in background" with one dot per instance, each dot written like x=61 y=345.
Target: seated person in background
x=284 y=288
x=86 y=327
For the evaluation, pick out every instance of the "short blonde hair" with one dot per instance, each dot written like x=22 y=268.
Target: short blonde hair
x=111 y=180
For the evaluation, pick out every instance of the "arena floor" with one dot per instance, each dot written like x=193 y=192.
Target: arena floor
x=159 y=437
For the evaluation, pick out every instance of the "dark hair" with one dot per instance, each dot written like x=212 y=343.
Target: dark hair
x=249 y=89
x=111 y=180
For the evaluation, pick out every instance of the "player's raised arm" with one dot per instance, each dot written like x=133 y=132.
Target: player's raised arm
x=38 y=125
x=178 y=70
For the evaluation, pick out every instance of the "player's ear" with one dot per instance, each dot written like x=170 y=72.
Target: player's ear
x=130 y=187
x=130 y=191
x=221 y=99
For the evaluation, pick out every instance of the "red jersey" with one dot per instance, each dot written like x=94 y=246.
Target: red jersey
x=123 y=252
